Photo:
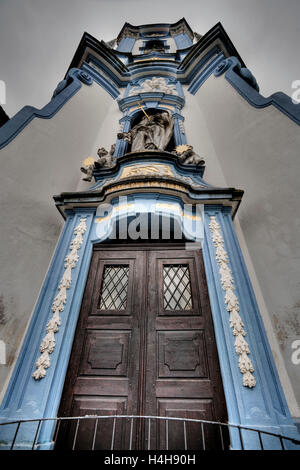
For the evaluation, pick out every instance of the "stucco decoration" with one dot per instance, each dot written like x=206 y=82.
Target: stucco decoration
x=187 y=156
x=151 y=133
x=48 y=342
x=105 y=160
x=232 y=305
x=155 y=84
x=87 y=168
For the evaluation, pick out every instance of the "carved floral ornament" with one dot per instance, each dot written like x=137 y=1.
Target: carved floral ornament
x=232 y=305
x=48 y=343
x=155 y=84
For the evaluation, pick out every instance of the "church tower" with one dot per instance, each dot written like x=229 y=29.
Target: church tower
x=153 y=315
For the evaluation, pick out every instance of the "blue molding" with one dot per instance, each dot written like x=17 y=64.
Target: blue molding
x=195 y=173
x=126 y=44
x=182 y=68
x=199 y=67
x=121 y=144
x=205 y=73
x=151 y=97
x=160 y=35
x=264 y=406
x=137 y=69
x=112 y=75
x=182 y=41
x=144 y=68
x=101 y=80
x=138 y=82
x=245 y=84
x=179 y=137
x=279 y=100
x=242 y=71
x=61 y=95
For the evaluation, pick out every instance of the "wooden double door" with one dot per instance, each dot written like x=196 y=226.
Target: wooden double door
x=144 y=345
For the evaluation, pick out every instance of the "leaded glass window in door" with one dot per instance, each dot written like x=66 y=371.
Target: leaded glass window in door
x=177 y=293
x=114 y=287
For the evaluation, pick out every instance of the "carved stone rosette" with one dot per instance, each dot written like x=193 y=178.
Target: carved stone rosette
x=232 y=305
x=48 y=343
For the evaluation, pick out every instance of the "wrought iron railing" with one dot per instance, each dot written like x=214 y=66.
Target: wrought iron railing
x=225 y=436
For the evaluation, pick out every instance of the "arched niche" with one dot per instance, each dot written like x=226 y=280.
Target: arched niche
x=139 y=115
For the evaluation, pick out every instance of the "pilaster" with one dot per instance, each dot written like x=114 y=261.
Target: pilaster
x=262 y=404
x=27 y=397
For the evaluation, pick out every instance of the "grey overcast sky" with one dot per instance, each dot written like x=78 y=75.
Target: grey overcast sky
x=38 y=38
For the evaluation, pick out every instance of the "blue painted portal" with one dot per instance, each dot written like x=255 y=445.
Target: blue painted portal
x=263 y=407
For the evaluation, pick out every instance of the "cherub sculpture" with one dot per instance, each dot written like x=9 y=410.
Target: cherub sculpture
x=87 y=168
x=105 y=160
x=187 y=156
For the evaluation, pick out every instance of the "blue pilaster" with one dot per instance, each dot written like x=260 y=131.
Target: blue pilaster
x=179 y=134
x=121 y=145
x=264 y=406
x=25 y=397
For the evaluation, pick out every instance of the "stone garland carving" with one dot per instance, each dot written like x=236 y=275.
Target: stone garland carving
x=48 y=343
x=232 y=305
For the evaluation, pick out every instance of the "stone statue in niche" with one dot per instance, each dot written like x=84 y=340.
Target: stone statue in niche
x=187 y=156
x=153 y=132
x=106 y=160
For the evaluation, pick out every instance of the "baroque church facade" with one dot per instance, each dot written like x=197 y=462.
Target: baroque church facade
x=160 y=295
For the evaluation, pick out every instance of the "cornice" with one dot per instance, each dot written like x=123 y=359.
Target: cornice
x=217 y=32
x=140 y=98
x=184 y=70
x=100 y=48
x=185 y=182
x=141 y=30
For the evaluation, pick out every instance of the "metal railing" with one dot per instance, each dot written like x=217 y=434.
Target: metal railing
x=129 y=432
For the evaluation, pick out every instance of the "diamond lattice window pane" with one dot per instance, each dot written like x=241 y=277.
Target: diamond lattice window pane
x=177 y=287
x=114 y=288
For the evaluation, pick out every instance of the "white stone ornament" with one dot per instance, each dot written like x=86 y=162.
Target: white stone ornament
x=232 y=305
x=48 y=343
x=156 y=84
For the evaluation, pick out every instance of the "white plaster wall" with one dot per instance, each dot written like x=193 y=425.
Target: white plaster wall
x=43 y=160
x=257 y=150
x=197 y=135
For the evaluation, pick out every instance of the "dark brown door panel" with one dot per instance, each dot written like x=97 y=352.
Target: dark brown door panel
x=144 y=345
